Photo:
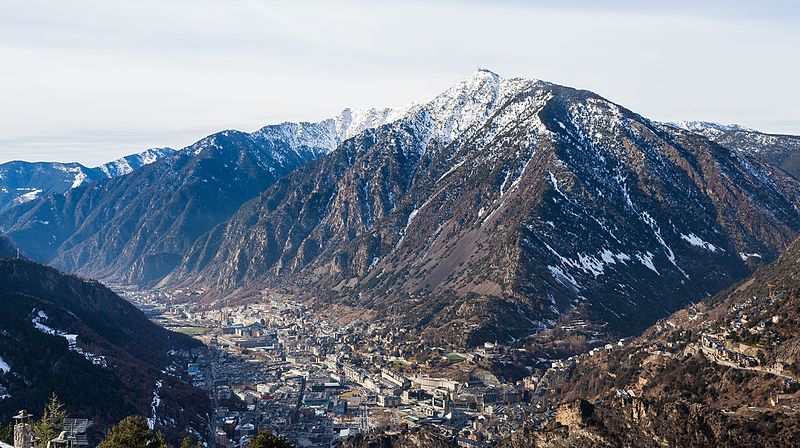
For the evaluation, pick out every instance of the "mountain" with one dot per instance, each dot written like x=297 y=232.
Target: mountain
x=777 y=149
x=22 y=182
x=498 y=209
x=125 y=165
x=135 y=228
x=501 y=207
x=6 y=248
x=720 y=373
x=723 y=372
x=59 y=333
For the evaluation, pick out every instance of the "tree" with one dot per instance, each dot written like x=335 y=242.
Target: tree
x=265 y=440
x=52 y=422
x=187 y=443
x=133 y=432
x=7 y=433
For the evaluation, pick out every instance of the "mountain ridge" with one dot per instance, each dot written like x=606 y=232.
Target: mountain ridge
x=134 y=228
x=496 y=209
x=781 y=150
x=22 y=182
x=507 y=148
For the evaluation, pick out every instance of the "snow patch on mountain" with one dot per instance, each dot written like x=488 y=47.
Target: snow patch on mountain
x=647 y=260
x=745 y=256
x=72 y=339
x=154 y=404
x=4 y=367
x=80 y=178
x=696 y=241
x=29 y=196
x=563 y=277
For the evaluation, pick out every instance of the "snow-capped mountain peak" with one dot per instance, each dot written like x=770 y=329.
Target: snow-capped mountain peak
x=324 y=136
x=471 y=101
x=352 y=122
x=125 y=165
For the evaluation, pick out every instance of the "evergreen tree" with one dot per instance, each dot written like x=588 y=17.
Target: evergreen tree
x=265 y=440
x=52 y=422
x=133 y=432
x=7 y=433
x=187 y=443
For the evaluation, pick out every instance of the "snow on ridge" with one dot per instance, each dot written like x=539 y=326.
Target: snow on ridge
x=706 y=126
x=467 y=103
x=470 y=102
x=352 y=122
x=126 y=164
x=324 y=136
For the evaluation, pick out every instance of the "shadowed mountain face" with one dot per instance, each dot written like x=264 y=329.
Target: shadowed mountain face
x=60 y=334
x=136 y=228
x=6 y=248
x=503 y=205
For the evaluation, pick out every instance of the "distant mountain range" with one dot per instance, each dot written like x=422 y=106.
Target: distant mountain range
x=22 y=182
x=100 y=354
x=777 y=149
x=497 y=209
x=136 y=228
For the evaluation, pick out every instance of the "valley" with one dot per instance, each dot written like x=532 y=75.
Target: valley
x=277 y=364
x=514 y=263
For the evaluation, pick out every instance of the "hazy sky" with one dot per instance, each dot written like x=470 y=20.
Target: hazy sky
x=89 y=81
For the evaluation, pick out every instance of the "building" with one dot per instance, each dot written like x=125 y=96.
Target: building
x=395 y=378
x=388 y=401
x=429 y=383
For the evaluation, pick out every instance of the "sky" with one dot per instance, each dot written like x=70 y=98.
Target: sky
x=90 y=81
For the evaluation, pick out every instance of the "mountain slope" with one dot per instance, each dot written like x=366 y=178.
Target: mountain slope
x=59 y=333
x=6 y=248
x=779 y=150
x=503 y=205
x=22 y=182
x=135 y=228
x=723 y=372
